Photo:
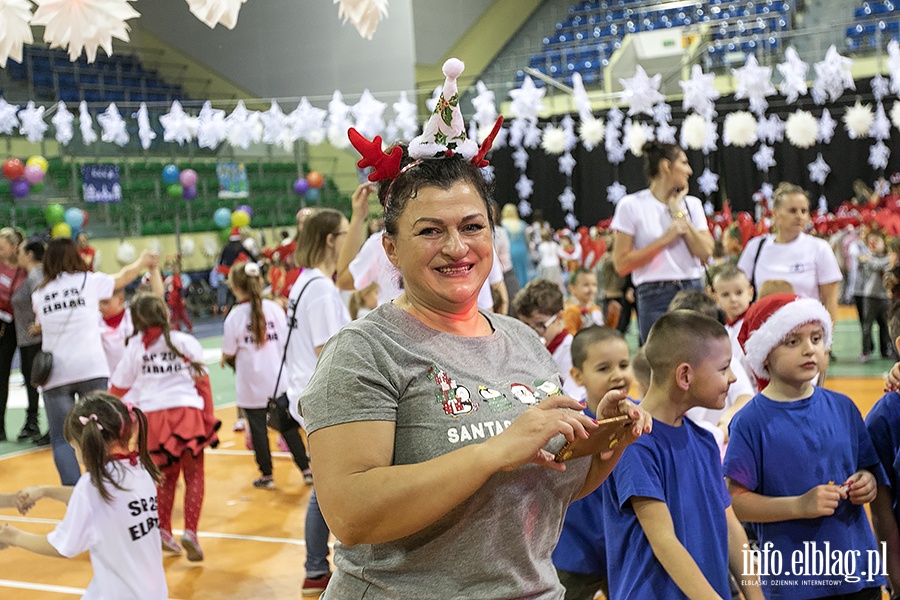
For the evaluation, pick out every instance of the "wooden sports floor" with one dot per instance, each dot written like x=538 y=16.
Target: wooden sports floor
x=252 y=538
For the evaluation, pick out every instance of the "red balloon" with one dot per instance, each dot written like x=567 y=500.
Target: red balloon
x=315 y=179
x=13 y=168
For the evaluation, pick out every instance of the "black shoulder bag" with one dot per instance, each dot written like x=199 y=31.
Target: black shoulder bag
x=280 y=418
x=752 y=272
x=42 y=364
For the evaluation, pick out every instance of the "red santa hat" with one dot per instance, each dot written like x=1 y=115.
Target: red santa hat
x=771 y=319
x=235 y=235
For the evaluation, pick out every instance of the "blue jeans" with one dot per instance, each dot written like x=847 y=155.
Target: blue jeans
x=653 y=300
x=58 y=402
x=316 y=540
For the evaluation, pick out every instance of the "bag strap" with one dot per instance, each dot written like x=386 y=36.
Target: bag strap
x=755 y=260
x=290 y=331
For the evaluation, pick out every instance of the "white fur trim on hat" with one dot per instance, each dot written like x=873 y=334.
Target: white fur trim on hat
x=779 y=325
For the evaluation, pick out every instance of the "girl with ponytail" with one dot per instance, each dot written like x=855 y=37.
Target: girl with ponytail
x=164 y=374
x=253 y=341
x=112 y=509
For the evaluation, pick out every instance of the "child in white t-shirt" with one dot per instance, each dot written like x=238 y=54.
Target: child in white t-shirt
x=254 y=337
x=164 y=374
x=112 y=510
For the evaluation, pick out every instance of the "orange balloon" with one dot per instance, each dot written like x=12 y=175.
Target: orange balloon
x=315 y=179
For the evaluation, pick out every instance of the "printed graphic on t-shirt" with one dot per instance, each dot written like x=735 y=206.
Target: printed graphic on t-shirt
x=497 y=402
x=271 y=333
x=62 y=300
x=145 y=525
x=162 y=363
x=455 y=399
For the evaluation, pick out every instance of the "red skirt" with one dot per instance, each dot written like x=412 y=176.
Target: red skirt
x=174 y=431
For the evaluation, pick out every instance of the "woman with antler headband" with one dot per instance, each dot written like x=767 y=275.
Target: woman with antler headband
x=427 y=420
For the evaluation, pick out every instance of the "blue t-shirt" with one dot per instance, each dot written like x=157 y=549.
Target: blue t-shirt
x=883 y=424
x=786 y=449
x=679 y=466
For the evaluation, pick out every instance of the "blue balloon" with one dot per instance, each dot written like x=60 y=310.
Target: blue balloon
x=170 y=174
x=74 y=218
x=222 y=217
x=312 y=194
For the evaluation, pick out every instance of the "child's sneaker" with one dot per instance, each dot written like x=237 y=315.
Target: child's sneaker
x=239 y=425
x=313 y=586
x=265 y=482
x=168 y=542
x=865 y=357
x=192 y=546
x=307 y=477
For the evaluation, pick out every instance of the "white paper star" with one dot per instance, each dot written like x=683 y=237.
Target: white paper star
x=881 y=126
x=708 y=208
x=524 y=208
x=485 y=105
x=15 y=29
x=893 y=63
x=84 y=24
x=112 y=126
x=524 y=187
x=406 y=116
x=754 y=83
x=520 y=158
x=818 y=170
x=339 y=120
x=32 y=124
x=881 y=87
x=566 y=164
x=708 y=182
x=145 y=131
x=527 y=101
x=827 y=126
x=771 y=129
x=369 y=115
x=213 y=12
x=833 y=75
x=579 y=95
x=243 y=126
x=274 y=124
x=308 y=122
x=666 y=134
x=363 y=14
x=793 y=71
x=571 y=221
x=567 y=199
x=615 y=192
x=8 y=119
x=62 y=121
x=641 y=92
x=764 y=158
x=879 y=154
x=517 y=132
x=177 y=126
x=700 y=92
x=211 y=126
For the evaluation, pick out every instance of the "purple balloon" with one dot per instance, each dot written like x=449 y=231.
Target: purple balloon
x=189 y=192
x=301 y=186
x=34 y=174
x=246 y=209
x=19 y=188
x=188 y=178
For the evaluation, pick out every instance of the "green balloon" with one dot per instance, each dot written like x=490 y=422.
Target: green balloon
x=54 y=213
x=224 y=234
x=174 y=190
x=37 y=188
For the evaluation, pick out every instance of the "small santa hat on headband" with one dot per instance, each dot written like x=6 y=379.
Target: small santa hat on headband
x=235 y=234
x=446 y=129
x=771 y=319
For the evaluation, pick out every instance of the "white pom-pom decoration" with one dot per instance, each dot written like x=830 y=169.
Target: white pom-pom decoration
x=154 y=246
x=210 y=247
x=553 y=140
x=187 y=247
x=895 y=115
x=126 y=254
x=858 y=120
x=693 y=132
x=591 y=131
x=739 y=129
x=801 y=129
x=636 y=137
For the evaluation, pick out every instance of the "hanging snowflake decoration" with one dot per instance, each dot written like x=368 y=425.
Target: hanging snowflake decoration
x=566 y=164
x=833 y=76
x=243 y=126
x=31 y=122
x=524 y=207
x=700 y=92
x=177 y=125
x=818 y=170
x=764 y=158
x=754 y=83
x=739 y=129
x=368 y=113
x=666 y=134
x=895 y=114
x=406 y=117
x=823 y=206
x=568 y=127
x=801 y=129
x=579 y=95
x=554 y=140
x=86 y=124
x=793 y=72
x=15 y=29
x=62 y=122
x=533 y=134
x=893 y=63
x=308 y=122
x=84 y=24
x=112 y=126
x=615 y=192
x=708 y=182
x=363 y=14
x=881 y=126
x=858 y=120
x=770 y=130
x=881 y=87
x=662 y=113
x=211 y=127
x=520 y=158
x=571 y=221
x=8 y=119
x=879 y=154
x=641 y=92
x=827 y=125
x=524 y=187
x=485 y=105
x=145 y=131
x=527 y=101
x=213 y=12
x=567 y=199
x=339 y=121
x=276 y=131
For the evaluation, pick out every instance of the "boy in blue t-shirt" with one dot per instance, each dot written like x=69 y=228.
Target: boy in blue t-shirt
x=599 y=364
x=883 y=424
x=670 y=529
x=800 y=463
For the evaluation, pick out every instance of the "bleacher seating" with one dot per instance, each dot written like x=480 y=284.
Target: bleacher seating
x=877 y=23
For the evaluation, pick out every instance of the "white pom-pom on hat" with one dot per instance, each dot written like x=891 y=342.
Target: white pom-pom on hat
x=453 y=68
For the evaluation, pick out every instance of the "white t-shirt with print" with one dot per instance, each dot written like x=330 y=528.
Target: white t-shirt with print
x=113 y=339
x=371 y=265
x=320 y=314
x=122 y=536
x=158 y=378
x=67 y=309
x=256 y=367
x=646 y=219
x=806 y=263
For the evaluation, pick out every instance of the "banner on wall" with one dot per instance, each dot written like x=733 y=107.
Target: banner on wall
x=233 y=181
x=100 y=183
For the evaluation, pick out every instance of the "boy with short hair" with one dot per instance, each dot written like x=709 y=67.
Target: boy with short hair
x=800 y=463
x=666 y=511
x=599 y=364
x=581 y=311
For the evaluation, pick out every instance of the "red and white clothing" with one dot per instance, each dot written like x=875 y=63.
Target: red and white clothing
x=10 y=280
x=114 y=331
x=256 y=367
x=805 y=263
x=87 y=254
x=560 y=349
x=122 y=536
x=67 y=308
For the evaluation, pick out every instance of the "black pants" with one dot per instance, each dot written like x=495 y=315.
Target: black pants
x=875 y=310
x=256 y=421
x=7 y=351
x=27 y=354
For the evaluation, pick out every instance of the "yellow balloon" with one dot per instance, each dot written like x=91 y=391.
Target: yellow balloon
x=39 y=161
x=240 y=219
x=61 y=230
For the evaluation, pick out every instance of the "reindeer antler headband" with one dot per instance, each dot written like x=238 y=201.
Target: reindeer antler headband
x=444 y=135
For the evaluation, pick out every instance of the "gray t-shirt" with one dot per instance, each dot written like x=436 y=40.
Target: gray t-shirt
x=23 y=311
x=445 y=392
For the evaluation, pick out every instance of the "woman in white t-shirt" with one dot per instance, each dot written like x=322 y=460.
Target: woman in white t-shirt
x=65 y=306
x=253 y=341
x=662 y=237
x=804 y=261
x=315 y=313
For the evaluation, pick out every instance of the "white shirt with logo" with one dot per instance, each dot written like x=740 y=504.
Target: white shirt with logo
x=256 y=367
x=805 y=263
